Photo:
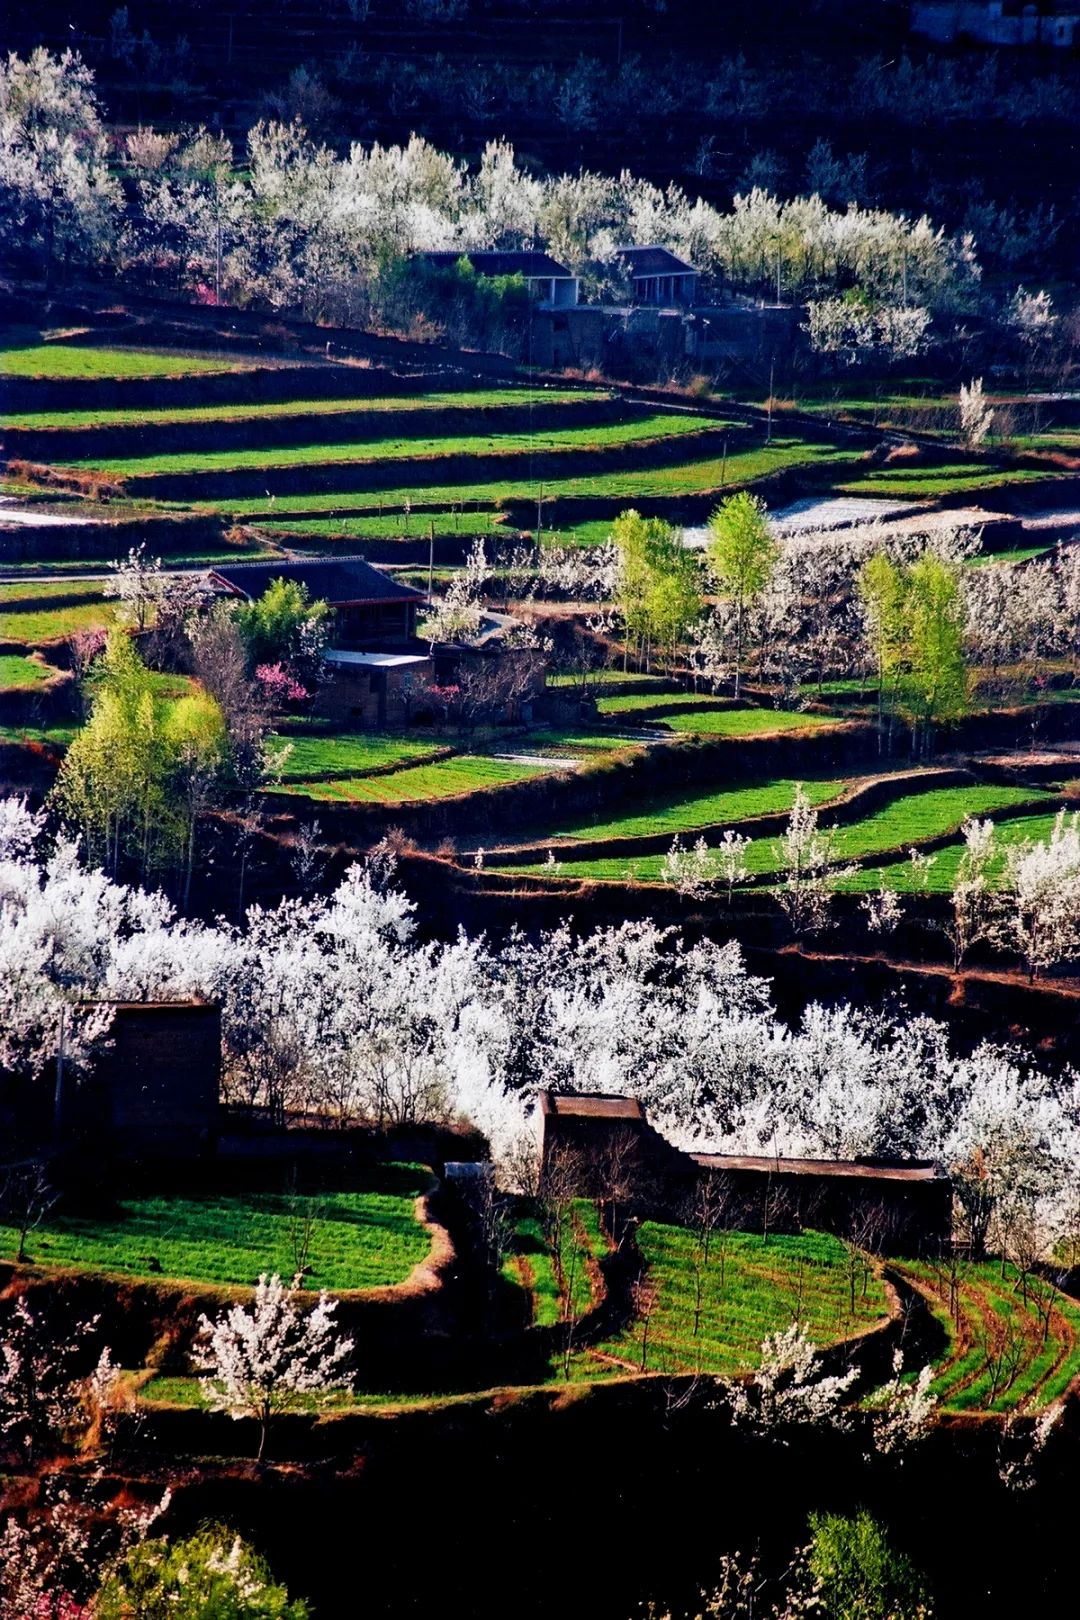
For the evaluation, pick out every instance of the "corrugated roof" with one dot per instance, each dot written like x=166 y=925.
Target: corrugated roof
x=655 y=261
x=341 y=581
x=490 y=262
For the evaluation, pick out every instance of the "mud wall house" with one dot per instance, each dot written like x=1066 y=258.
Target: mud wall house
x=377 y=663
x=154 y=1089
x=901 y=1207
x=996 y=22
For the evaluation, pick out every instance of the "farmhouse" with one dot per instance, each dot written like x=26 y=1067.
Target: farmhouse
x=891 y=1207
x=546 y=279
x=373 y=649
x=659 y=277
x=996 y=22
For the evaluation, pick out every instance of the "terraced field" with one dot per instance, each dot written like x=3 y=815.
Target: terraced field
x=445 y=779
x=347 y=753
x=297 y=513
x=560 y=1286
x=941 y=878
x=256 y=411
x=1014 y=1342
x=65 y=360
x=20 y=674
x=642 y=431
x=686 y=812
x=365 y=1238
x=43 y=611
x=710 y=1315
x=908 y=820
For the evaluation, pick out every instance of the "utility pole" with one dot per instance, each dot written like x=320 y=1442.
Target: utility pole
x=431 y=557
x=539 y=512
x=768 y=430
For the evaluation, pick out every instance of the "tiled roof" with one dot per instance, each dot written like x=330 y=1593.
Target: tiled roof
x=337 y=580
x=654 y=261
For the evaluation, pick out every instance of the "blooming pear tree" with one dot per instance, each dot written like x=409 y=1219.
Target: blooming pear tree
x=259 y=1362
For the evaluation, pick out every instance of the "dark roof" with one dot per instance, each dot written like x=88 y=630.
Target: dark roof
x=655 y=261
x=341 y=581
x=863 y=1169
x=487 y=262
x=591 y=1105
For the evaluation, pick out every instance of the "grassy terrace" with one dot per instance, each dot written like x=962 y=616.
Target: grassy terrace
x=942 y=876
x=73 y=360
x=923 y=482
x=685 y=812
x=363 y=1238
x=348 y=753
x=911 y=819
x=273 y=410
x=25 y=613
x=641 y=430
x=750 y=1287
x=19 y=674
x=1014 y=1342
x=467 y=773
x=687 y=478
x=559 y=1286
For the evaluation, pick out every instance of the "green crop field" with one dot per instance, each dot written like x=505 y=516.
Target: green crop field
x=908 y=820
x=618 y=677
x=443 y=780
x=925 y=483
x=685 y=812
x=640 y=431
x=750 y=1287
x=941 y=878
x=19 y=674
x=559 y=1287
x=745 y=722
x=37 y=736
x=686 y=478
x=272 y=410
x=68 y=360
x=1014 y=1342
x=630 y=702
x=365 y=1238
x=37 y=625
x=348 y=753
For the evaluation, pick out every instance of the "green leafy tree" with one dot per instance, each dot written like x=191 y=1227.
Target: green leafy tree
x=283 y=624
x=882 y=592
x=937 y=684
x=659 y=584
x=195 y=732
x=212 y=1575
x=742 y=555
x=860 y=1575
x=143 y=769
x=914 y=617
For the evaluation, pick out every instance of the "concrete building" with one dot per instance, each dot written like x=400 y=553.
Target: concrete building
x=659 y=277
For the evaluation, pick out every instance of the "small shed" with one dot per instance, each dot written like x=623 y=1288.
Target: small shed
x=660 y=277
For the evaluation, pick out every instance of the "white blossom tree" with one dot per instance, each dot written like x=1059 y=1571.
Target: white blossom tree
x=1038 y=903
x=259 y=1362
